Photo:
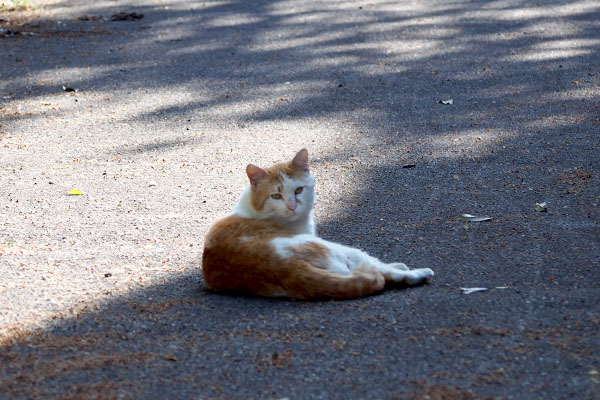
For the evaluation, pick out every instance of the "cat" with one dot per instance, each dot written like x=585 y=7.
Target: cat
x=268 y=246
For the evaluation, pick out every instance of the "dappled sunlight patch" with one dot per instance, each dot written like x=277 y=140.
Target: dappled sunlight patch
x=505 y=11
x=546 y=29
x=559 y=49
x=204 y=46
x=91 y=105
x=52 y=79
x=583 y=93
x=556 y=121
x=469 y=142
x=232 y=20
x=407 y=50
x=280 y=39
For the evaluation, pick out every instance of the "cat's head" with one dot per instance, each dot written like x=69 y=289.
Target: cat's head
x=284 y=192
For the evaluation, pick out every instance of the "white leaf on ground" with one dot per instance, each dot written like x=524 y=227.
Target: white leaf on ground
x=473 y=218
x=469 y=290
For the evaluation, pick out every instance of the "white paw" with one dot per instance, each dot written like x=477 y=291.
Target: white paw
x=399 y=265
x=426 y=274
x=420 y=275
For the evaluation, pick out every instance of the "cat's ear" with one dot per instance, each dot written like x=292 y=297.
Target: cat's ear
x=255 y=174
x=301 y=160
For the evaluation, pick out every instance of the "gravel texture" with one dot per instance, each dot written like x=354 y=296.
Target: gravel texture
x=101 y=294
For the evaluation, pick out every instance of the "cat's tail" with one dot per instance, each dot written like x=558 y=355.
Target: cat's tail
x=307 y=282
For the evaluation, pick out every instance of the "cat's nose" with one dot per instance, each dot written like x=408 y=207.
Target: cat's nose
x=291 y=207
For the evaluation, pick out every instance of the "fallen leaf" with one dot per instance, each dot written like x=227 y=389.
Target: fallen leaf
x=469 y=290
x=169 y=357
x=447 y=102
x=541 y=207
x=473 y=218
x=75 y=192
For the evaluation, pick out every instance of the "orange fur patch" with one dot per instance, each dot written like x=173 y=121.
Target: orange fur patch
x=238 y=257
x=316 y=253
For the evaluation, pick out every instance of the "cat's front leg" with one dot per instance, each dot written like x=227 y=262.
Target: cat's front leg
x=409 y=277
x=399 y=273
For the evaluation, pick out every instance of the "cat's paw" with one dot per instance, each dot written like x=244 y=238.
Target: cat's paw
x=417 y=276
x=426 y=274
x=399 y=265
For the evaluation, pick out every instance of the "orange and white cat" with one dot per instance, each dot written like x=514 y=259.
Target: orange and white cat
x=268 y=245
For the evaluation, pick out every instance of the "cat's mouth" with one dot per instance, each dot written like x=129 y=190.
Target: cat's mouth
x=292 y=215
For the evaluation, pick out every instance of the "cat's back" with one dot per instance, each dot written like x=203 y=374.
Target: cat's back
x=238 y=254
x=235 y=232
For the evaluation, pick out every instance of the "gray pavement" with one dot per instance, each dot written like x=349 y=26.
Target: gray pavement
x=101 y=294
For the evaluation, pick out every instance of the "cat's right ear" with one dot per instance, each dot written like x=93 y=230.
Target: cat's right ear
x=255 y=174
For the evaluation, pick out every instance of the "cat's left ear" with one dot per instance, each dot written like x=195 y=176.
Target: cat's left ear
x=301 y=160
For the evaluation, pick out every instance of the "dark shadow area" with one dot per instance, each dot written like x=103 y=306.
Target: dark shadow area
x=523 y=128
x=178 y=340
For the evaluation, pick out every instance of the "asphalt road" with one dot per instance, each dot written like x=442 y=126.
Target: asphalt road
x=101 y=294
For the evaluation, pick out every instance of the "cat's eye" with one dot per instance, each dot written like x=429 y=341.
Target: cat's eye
x=299 y=190
x=276 y=196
